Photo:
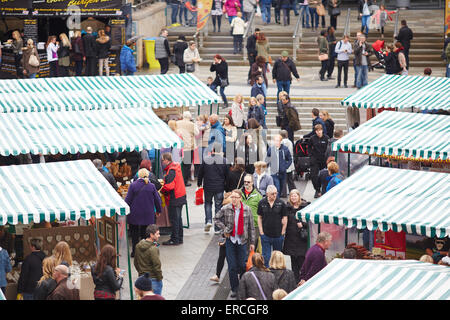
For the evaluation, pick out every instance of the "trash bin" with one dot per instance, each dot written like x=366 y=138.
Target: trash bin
x=149 y=45
x=403 y=3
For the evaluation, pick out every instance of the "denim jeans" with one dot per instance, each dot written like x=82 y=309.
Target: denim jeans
x=237 y=43
x=231 y=18
x=279 y=180
x=447 y=70
x=361 y=78
x=218 y=199
x=27 y=296
x=365 y=24
x=32 y=75
x=236 y=259
x=177 y=224
x=175 y=8
x=78 y=68
x=305 y=13
x=314 y=17
x=268 y=244
x=183 y=11
x=283 y=86
x=294 y=6
x=265 y=12
x=222 y=92
x=157 y=286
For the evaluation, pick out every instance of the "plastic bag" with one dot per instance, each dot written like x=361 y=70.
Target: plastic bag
x=199 y=196
x=258 y=11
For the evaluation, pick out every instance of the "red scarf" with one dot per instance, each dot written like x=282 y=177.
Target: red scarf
x=240 y=228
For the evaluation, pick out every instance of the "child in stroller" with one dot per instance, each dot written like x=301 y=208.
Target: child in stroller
x=302 y=161
x=378 y=49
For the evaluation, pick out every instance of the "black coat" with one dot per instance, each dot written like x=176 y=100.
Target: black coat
x=293 y=244
x=282 y=70
x=103 y=46
x=31 y=272
x=178 y=51
x=329 y=124
x=90 y=46
x=318 y=147
x=133 y=160
x=233 y=180
x=212 y=174
x=44 y=289
x=405 y=35
x=63 y=51
x=361 y=5
x=221 y=70
x=391 y=63
x=284 y=279
x=251 y=45
x=107 y=281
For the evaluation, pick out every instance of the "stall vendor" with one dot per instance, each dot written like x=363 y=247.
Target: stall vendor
x=437 y=248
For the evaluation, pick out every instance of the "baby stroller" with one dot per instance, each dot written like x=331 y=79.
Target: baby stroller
x=378 y=51
x=302 y=161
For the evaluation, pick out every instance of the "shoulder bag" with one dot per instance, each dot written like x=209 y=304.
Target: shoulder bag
x=223 y=82
x=320 y=10
x=190 y=67
x=335 y=11
x=259 y=285
x=33 y=60
x=323 y=56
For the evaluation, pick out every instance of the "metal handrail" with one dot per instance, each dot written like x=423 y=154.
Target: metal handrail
x=396 y=24
x=296 y=36
x=142 y=4
x=347 y=23
x=244 y=37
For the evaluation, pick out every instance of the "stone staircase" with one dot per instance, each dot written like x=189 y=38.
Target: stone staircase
x=303 y=106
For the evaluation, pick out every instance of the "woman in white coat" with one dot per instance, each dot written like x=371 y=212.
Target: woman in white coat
x=191 y=58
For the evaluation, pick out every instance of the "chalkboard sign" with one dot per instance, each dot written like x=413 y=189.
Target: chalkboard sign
x=15 y=7
x=117 y=32
x=30 y=30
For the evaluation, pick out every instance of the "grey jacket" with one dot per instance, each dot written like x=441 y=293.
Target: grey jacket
x=248 y=288
x=224 y=220
x=266 y=181
x=160 y=48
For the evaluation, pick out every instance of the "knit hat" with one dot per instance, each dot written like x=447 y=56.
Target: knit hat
x=284 y=53
x=144 y=282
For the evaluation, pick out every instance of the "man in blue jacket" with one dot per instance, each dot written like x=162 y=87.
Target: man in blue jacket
x=266 y=5
x=279 y=159
x=217 y=133
x=127 y=61
x=257 y=88
x=316 y=120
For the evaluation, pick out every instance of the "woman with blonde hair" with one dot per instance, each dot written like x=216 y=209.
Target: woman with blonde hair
x=296 y=237
x=17 y=46
x=284 y=278
x=46 y=284
x=103 y=46
x=62 y=254
x=237 y=112
x=144 y=202
x=279 y=294
x=30 y=64
x=329 y=123
x=64 y=55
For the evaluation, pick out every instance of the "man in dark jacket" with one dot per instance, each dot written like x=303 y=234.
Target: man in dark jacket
x=318 y=144
x=316 y=120
x=90 y=50
x=251 y=50
x=291 y=122
x=107 y=175
x=63 y=290
x=175 y=192
x=212 y=174
x=257 y=88
x=405 y=35
x=279 y=159
x=362 y=51
x=178 y=51
x=281 y=73
x=31 y=270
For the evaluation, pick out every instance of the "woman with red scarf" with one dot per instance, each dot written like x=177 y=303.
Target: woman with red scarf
x=235 y=220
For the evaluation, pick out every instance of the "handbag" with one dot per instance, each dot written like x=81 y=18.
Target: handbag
x=33 y=61
x=323 y=56
x=335 y=11
x=64 y=61
x=320 y=10
x=303 y=234
x=223 y=82
x=190 y=67
x=278 y=120
x=199 y=196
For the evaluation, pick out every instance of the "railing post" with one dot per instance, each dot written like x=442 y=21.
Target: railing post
x=245 y=36
x=347 y=23
x=298 y=34
x=396 y=24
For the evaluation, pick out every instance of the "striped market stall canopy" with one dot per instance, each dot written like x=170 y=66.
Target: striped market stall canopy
x=86 y=131
x=349 y=279
x=57 y=190
x=415 y=202
x=393 y=91
x=410 y=135
x=87 y=93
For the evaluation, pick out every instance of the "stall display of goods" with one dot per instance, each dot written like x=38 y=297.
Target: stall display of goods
x=120 y=170
x=363 y=253
x=123 y=189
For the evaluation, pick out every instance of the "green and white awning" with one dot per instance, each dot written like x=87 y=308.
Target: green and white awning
x=349 y=279
x=85 y=131
x=87 y=93
x=66 y=190
x=415 y=202
x=411 y=135
x=393 y=91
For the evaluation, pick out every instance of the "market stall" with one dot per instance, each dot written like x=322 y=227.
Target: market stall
x=40 y=19
x=348 y=279
x=394 y=92
x=58 y=192
x=408 y=137
x=384 y=201
x=86 y=93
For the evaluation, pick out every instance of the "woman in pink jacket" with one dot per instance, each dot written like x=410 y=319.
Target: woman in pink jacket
x=231 y=8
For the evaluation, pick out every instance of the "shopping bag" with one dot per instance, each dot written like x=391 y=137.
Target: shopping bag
x=199 y=196
x=320 y=10
x=258 y=11
x=249 y=260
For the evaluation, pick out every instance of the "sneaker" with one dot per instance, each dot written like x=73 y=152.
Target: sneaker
x=233 y=294
x=345 y=86
x=323 y=79
x=214 y=278
x=317 y=194
x=337 y=86
x=208 y=226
